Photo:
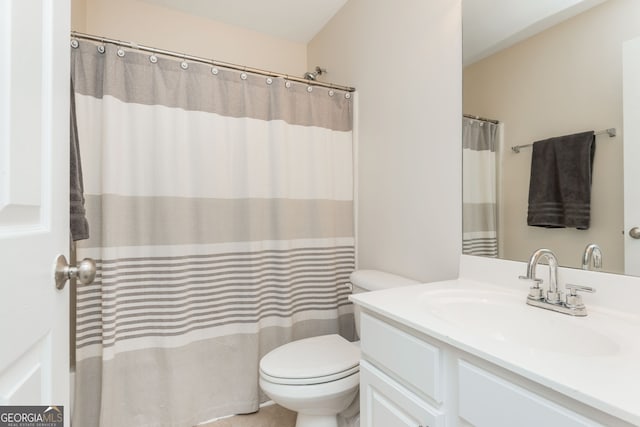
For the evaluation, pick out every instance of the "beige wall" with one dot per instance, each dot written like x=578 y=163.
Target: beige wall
x=165 y=28
x=565 y=80
x=79 y=15
x=405 y=60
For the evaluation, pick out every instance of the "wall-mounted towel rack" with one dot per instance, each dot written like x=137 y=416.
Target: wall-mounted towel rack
x=611 y=132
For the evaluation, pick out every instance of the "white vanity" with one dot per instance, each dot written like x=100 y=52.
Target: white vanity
x=471 y=352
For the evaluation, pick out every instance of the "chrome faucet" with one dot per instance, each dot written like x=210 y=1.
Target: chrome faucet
x=553 y=296
x=553 y=299
x=592 y=253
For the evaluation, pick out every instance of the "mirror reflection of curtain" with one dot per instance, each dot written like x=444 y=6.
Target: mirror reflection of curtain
x=479 y=187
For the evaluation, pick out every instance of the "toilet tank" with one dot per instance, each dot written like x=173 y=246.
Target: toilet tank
x=374 y=280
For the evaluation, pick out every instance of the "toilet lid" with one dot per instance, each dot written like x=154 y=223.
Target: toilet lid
x=311 y=361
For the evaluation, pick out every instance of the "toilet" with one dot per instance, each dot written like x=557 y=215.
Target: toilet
x=318 y=377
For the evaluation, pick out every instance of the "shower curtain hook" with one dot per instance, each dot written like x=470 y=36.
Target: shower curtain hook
x=74 y=40
x=101 y=47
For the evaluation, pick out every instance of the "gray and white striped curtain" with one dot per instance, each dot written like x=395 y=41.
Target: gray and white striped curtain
x=479 y=187
x=221 y=211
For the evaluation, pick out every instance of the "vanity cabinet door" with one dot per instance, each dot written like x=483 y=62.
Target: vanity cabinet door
x=486 y=400
x=408 y=359
x=385 y=403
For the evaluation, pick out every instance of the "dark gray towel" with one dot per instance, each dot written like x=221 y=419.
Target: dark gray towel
x=560 y=185
x=78 y=220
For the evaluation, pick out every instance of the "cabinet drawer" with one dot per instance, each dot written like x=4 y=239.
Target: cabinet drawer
x=385 y=403
x=487 y=400
x=411 y=360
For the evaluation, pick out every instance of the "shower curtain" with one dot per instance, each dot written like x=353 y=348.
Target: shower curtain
x=221 y=210
x=479 y=187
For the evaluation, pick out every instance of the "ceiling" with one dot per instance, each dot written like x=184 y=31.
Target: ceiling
x=488 y=25
x=492 y=25
x=294 y=20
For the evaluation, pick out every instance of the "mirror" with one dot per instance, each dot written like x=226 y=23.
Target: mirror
x=545 y=69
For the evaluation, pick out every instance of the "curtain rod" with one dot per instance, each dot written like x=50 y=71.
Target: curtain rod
x=483 y=119
x=131 y=45
x=611 y=132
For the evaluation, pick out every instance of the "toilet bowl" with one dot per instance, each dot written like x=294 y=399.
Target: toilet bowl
x=318 y=377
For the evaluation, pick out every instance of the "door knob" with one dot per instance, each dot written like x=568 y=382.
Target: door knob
x=635 y=232
x=84 y=272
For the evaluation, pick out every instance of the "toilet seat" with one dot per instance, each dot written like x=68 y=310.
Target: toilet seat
x=311 y=380
x=310 y=361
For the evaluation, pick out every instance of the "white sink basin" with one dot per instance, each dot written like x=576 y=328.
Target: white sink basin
x=505 y=317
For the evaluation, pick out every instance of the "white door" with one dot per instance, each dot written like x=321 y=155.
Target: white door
x=631 y=117
x=34 y=199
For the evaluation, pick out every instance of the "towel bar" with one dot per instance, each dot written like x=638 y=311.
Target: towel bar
x=611 y=132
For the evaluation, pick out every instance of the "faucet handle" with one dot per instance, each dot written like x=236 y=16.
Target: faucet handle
x=535 y=292
x=575 y=288
x=532 y=279
x=573 y=300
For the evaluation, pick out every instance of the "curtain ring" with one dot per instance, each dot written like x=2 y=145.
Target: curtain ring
x=214 y=69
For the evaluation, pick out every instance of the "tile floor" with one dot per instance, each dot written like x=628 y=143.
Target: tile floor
x=268 y=416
